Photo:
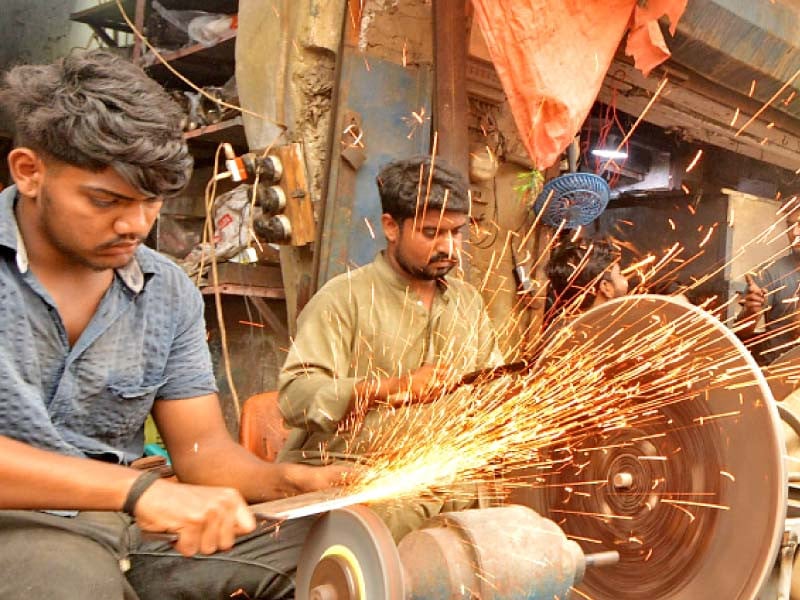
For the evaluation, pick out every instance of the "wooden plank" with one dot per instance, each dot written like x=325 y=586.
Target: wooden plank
x=296 y=266
x=211 y=65
x=245 y=290
x=700 y=117
x=294 y=182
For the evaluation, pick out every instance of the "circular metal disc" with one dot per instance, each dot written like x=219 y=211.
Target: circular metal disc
x=368 y=548
x=691 y=490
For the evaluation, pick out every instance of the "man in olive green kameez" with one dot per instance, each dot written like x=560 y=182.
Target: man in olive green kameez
x=385 y=336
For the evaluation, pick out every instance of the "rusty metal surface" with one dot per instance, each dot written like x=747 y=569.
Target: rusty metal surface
x=499 y=553
x=384 y=95
x=642 y=489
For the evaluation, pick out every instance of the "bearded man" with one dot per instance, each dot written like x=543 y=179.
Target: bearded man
x=383 y=338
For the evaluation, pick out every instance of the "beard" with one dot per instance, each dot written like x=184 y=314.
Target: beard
x=426 y=272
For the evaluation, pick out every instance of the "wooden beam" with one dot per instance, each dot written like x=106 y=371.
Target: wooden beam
x=450 y=95
x=700 y=117
x=138 y=21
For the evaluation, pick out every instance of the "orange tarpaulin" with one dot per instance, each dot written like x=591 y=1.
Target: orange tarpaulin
x=552 y=55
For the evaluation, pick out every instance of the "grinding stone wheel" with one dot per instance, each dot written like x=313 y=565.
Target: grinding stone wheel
x=648 y=470
x=350 y=550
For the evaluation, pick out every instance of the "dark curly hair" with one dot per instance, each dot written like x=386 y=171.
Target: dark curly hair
x=593 y=258
x=403 y=187
x=93 y=110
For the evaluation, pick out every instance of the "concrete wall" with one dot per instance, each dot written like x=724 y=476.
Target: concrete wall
x=40 y=31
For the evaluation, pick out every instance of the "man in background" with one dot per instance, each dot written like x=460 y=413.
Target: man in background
x=584 y=274
x=773 y=292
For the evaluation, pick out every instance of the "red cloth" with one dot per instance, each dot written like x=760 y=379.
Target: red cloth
x=552 y=55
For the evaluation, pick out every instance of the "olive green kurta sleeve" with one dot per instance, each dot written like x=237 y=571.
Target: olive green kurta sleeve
x=317 y=383
x=368 y=323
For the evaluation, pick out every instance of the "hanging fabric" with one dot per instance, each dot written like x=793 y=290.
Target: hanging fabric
x=552 y=55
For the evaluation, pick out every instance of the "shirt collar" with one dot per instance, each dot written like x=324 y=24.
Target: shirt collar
x=134 y=275
x=401 y=282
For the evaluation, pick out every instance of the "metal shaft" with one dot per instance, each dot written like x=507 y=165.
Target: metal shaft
x=601 y=559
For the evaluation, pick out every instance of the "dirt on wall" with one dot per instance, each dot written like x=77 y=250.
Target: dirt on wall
x=397 y=30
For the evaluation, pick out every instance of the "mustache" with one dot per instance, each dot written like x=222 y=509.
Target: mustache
x=441 y=257
x=122 y=241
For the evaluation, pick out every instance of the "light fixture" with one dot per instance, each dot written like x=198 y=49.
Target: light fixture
x=610 y=150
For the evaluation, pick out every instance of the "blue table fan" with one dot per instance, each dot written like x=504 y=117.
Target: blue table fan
x=578 y=199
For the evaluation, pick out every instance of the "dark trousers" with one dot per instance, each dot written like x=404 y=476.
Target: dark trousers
x=101 y=555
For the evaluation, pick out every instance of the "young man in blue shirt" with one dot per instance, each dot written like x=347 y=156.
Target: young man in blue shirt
x=96 y=332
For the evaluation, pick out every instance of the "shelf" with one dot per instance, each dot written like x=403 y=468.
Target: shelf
x=212 y=6
x=257 y=291
x=230 y=130
x=205 y=65
x=107 y=15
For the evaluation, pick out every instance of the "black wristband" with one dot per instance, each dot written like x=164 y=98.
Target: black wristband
x=139 y=487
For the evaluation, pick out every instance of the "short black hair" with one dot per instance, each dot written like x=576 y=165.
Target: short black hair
x=575 y=266
x=92 y=110
x=404 y=189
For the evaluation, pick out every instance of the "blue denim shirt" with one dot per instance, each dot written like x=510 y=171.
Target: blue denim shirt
x=145 y=342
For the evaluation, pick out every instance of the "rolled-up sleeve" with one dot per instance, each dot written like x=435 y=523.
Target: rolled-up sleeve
x=316 y=384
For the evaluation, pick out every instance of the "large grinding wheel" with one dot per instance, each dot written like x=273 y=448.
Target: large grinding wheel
x=349 y=554
x=638 y=488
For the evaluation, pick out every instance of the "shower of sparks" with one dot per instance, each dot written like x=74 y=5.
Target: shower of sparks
x=540 y=418
x=697 y=504
x=369 y=227
x=252 y=324
x=691 y=515
x=575 y=590
x=645 y=110
x=415 y=121
x=768 y=102
x=708 y=235
x=544 y=427
x=695 y=160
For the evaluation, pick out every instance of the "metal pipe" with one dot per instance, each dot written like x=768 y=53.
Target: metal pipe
x=602 y=559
